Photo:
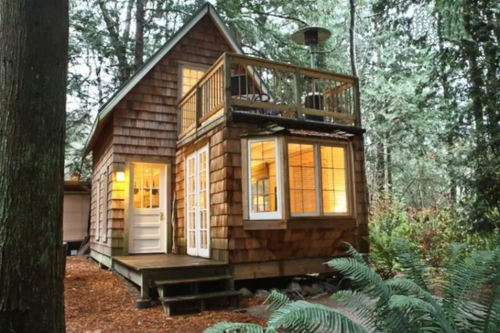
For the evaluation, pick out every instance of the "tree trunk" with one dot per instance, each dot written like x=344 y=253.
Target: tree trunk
x=352 y=32
x=33 y=69
x=476 y=90
x=139 y=34
x=380 y=166
x=120 y=47
x=388 y=165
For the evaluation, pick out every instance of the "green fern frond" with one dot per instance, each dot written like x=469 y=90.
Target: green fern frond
x=411 y=303
x=492 y=299
x=226 y=327
x=276 y=300
x=362 y=277
x=302 y=316
x=410 y=261
x=355 y=254
x=466 y=280
x=359 y=304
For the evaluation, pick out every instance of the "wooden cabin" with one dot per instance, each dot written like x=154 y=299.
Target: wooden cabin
x=75 y=213
x=211 y=164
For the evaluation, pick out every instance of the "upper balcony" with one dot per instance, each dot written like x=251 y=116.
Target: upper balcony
x=243 y=84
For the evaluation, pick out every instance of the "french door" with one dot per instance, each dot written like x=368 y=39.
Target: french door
x=198 y=205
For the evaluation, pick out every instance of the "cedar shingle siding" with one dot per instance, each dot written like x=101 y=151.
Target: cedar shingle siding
x=144 y=124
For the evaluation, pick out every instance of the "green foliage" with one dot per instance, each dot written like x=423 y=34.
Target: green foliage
x=470 y=303
x=396 y=229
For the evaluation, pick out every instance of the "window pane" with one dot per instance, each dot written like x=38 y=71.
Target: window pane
x=302 y=178
x=189 y=78
x=263 y=176
x=333 y=179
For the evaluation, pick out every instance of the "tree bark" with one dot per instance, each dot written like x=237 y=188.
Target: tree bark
x=476 y=90
x=139 y=34
x=33 y=70
x=352 y=37
x=381 y=181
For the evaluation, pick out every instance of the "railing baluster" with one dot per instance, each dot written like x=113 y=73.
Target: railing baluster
x=298 y=92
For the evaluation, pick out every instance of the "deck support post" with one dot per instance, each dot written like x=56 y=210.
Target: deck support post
x=144 y=284
x=298 y=94
x=357 y=110
x=227 y=85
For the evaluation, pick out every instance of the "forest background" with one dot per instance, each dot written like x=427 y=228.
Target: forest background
x=429 y=73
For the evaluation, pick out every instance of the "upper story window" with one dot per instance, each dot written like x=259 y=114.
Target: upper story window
x=317 y=179
x=189 y=75
x=264 y=179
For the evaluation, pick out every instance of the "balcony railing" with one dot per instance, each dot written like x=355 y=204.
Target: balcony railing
x=238 y=83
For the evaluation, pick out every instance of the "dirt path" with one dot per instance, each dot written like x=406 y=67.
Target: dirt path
x=98 y=301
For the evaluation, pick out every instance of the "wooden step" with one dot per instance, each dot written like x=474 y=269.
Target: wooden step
x=196 y=280
x=167 y=302
x=218 y=294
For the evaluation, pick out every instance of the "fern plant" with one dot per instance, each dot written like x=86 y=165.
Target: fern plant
x=470 y=303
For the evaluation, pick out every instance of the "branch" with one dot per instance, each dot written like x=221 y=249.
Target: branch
x=290 y=18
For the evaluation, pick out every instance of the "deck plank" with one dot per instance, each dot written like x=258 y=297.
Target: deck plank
x=162 y=261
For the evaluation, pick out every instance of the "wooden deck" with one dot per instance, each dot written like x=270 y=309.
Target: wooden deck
x=147 y=269
x=164 y=261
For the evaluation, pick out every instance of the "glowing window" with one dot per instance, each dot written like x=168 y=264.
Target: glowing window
x=264 y=179
x=302 y=178
x=190 y=75
x=333 y=172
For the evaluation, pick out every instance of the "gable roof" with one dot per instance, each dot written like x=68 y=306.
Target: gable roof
x=126 y=87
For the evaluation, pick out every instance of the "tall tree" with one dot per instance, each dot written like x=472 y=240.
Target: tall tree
x=33 y=69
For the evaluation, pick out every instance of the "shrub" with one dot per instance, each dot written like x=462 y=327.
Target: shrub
x=432 y=231
x=471 y=300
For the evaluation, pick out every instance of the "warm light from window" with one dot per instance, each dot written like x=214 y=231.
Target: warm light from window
x=120 y=176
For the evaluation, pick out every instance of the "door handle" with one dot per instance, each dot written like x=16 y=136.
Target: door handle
x=161 y=216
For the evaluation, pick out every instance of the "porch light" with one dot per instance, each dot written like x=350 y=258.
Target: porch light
x=120 y=176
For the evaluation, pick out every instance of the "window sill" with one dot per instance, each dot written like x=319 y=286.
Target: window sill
x=319 y=222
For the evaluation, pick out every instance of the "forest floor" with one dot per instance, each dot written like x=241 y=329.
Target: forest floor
x=98 y=301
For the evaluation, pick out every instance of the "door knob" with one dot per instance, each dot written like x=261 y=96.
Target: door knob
x=161 y=216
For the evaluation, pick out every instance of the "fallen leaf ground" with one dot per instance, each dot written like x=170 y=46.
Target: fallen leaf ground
x=99 y=301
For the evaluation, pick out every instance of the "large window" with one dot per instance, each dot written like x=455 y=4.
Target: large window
x=316 y=183
x=264 y=179
x=304 y=179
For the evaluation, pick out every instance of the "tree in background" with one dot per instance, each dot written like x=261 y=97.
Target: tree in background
x=429 y=77
x=33 y=68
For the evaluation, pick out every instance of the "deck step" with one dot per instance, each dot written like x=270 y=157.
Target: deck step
x=219 y=294
x=196 y=280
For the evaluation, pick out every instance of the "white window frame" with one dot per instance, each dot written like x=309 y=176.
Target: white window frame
x=188 y=65
x=348 y=181
x=317 y=175
x=265 y=215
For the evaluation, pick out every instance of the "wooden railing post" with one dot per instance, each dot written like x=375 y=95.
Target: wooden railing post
x=227 y=85
x=198 y=106
x=357 y=108
x=298 y=94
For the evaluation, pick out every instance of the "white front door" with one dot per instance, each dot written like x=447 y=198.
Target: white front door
x=198 y=205
x=148 y=215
